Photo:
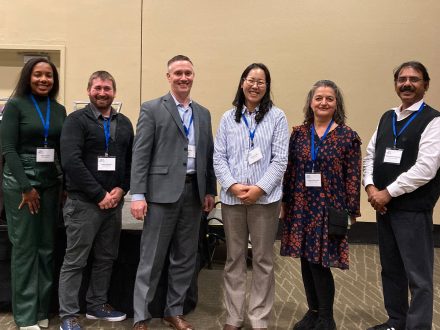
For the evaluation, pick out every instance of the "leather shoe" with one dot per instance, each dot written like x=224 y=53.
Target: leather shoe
x=141 y=325
x=230 y=327
x=177 y=322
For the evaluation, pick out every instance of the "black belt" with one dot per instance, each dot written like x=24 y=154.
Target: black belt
x=190 y=177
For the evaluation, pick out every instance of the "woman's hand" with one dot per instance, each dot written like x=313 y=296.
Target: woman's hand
x=252 y=194
x=32 y=200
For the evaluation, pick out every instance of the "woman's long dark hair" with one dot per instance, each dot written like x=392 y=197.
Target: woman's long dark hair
x=339 y=115
x=239 y=100
x=23 y=87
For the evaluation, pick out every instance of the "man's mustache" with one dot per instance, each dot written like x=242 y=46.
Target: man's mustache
x=406 y=89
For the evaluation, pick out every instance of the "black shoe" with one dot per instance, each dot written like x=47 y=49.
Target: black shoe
x=325 y=324
x=383 y=326
x=308 y=321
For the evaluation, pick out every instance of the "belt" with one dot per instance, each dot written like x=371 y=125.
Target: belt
x=190 y=177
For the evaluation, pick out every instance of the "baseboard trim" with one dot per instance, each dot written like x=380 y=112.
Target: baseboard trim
x=366 y=233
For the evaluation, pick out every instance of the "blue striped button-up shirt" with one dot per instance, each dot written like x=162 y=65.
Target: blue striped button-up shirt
x=231 y=152
x=185 y=114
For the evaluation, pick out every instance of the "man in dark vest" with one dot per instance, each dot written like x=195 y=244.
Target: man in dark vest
x=402 y=180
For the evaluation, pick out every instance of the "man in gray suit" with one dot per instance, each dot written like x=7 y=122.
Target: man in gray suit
x=172 y=180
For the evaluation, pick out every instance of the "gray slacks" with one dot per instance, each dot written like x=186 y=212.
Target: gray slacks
x=173 y=227
x=407 y=259
x=261 y=223
x=88 y=228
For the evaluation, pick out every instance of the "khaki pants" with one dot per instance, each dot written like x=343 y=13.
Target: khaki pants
x=261 y=223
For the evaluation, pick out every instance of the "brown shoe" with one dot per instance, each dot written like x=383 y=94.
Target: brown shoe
x=230 y=327
x=177 y=322
x=141 y=325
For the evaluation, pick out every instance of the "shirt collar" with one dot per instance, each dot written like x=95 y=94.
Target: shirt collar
x=178 y=103
x=412 y=108
x=245 y=110
x=98 y=114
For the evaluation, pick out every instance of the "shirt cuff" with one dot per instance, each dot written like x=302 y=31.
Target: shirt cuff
x=368 y=181
x=137 y=197
x=264 y=186
x=394 y=190
x=228 y=183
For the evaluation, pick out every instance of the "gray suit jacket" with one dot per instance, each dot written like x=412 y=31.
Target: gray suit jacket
x=160 y=152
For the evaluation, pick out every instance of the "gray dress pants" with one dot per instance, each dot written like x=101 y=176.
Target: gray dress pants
x=407 y=259
x=173 y=226
x=88 y=229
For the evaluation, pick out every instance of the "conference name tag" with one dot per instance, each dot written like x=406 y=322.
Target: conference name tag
x=255 y=155
x=313 y=179
x=45 y=155
x=191 y=151
x=106 y=163
x=393 y=156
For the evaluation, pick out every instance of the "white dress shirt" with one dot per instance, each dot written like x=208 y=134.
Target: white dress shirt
x=426 y=165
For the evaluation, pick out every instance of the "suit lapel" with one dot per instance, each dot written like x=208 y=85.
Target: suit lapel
x=170 y=106
x=196 y=114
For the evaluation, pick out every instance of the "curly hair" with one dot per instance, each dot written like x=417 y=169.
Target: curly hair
x=339 y=115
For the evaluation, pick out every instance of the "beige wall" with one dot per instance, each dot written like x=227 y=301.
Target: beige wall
x=356 y=44
x=97 y=35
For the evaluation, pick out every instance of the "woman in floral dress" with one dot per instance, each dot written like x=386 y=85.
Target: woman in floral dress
x=318 y=176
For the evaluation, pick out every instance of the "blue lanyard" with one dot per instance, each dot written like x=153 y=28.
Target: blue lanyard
x=413 y=116
x=314 y=151
x=107 y=133
x=251 y=133
x=46 y=123
x=187 y=129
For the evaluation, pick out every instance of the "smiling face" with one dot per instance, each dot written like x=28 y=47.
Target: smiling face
x=180 y=75
x=410 y=86
x=323 y=103
x=41 y=79
x=254 y=88
x=101 y=94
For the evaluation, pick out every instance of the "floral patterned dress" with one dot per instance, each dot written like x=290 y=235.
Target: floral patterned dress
x=305 y=229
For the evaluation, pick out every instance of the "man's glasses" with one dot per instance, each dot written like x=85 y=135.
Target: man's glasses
x=413 y=80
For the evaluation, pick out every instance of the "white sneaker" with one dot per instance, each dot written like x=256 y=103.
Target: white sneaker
x=44 y=323
x=31 y=327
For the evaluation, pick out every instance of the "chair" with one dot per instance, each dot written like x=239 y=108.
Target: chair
x=214 y=232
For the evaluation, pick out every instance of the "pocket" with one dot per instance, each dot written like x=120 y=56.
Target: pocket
x=69 y=208
x=158 y=170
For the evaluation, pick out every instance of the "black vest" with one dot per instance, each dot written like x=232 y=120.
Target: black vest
x=424 y=197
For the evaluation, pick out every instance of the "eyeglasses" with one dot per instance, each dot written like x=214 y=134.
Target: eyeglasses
x=413 y=80
x=252 y=82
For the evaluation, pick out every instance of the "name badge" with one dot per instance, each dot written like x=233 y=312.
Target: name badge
x=191 y=151
x=106 y=163
x=393 y=156
x=255 y=155
x=45 y=155
x=313 y=179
